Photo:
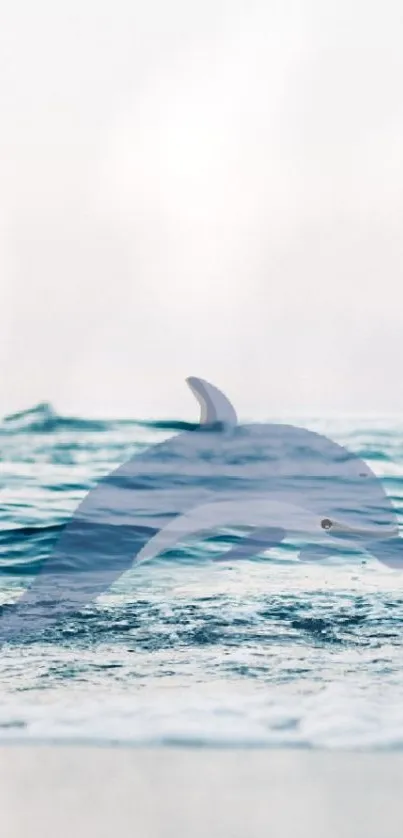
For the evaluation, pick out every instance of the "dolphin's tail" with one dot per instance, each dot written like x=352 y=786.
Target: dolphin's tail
x=92 y=551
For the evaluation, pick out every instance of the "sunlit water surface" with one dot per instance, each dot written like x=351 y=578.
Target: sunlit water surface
x=187 y=649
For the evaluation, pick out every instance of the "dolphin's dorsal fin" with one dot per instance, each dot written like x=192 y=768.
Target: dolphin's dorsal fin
x=214 y=406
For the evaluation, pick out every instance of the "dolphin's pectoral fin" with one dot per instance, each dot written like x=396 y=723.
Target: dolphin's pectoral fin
x=257 y=542
x=215 y=408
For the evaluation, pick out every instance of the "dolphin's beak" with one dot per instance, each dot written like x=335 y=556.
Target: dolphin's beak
x=338 y=528
x=383 y=543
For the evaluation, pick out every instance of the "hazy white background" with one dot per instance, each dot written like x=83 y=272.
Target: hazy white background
x=211 y=188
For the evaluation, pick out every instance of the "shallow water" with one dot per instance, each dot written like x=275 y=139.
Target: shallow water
x=193 y=647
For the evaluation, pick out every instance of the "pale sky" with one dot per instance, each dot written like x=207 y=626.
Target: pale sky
x=209 y=188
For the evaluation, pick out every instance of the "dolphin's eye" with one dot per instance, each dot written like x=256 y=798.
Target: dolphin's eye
x=363 y=474
x=326 y=524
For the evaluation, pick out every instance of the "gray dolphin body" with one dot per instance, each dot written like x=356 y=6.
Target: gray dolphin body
x=273 y=481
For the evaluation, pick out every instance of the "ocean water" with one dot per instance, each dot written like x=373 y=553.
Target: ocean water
x=193 y=647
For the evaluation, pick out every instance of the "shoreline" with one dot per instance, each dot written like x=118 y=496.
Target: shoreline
x=100 y=791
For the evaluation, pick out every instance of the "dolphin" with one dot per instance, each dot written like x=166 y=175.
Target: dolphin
x=269 y=481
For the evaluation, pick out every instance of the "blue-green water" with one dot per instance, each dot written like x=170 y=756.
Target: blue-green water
x=264 y=650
